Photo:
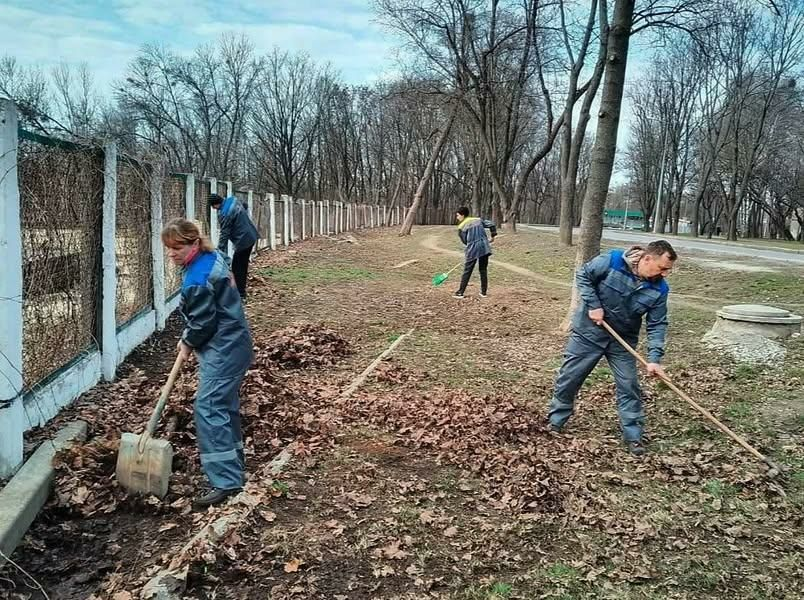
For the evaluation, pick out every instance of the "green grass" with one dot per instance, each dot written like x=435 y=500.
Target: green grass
x=559 y=572
x=495 y=591
x=776 y=285
x=718 y=489
x=739 y=410
x=599 y=375
x=317 y=274
x=746 y=372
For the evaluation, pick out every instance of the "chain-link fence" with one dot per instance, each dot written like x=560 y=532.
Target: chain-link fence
x=173 y=205
x=133 y=240
x=202 y=205
x=61 y=196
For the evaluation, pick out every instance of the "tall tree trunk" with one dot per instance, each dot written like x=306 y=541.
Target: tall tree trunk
x=428 y=172
x=605 y=147
x=606 y=137
x=569 y=177
x=571 y=143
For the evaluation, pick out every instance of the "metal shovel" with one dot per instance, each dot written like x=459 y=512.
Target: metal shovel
x=144 y=463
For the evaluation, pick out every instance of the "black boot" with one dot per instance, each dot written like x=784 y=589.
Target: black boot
x=214 y=496
x=636 y=448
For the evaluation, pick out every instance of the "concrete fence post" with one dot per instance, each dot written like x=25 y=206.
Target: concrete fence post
x=321 y=217
x=189 y=197
x=303 y=207
x=313 y=219
x=109 y=263
x=285 y=216
x=214 y=234
x=157 y=253
x=272 y=220
x=12 y=413
x=291 y=218
x=251 y=205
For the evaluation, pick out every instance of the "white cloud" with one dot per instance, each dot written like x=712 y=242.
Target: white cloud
x=356 y=15
x=46 y=40
x=359 y=59
x=161 y=13
x=49 y=24
x=108 y=35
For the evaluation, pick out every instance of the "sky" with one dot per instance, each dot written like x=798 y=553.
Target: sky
x=106 y=34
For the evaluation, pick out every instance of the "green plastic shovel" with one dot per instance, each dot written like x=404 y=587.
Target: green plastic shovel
x=442 y=277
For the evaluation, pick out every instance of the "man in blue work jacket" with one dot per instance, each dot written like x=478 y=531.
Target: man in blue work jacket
x=619 y=287
x=236 y=227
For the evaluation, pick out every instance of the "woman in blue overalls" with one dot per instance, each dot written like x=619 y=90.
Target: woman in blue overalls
x=217 y=333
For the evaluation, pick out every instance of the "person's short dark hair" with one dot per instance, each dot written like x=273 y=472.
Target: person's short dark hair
x=463 y=211
x=215 y=200
x=660 y=248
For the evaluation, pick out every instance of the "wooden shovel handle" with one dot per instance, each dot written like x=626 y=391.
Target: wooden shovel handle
x=160 y=405
x=725 y=429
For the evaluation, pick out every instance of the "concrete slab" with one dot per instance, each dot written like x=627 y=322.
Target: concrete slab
x=26 y=493
x=758 y=313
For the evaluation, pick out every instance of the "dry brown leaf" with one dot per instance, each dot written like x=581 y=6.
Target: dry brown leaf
x=292 y=566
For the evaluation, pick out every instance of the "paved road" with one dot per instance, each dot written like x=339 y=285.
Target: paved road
x=716 y=247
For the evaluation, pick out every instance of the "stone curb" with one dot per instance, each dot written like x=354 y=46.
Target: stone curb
x=25 y=495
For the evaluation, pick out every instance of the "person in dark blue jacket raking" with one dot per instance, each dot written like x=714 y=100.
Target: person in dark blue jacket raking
x=235 y=226
x=217 y=333
x=472 y=231
x=621 y=288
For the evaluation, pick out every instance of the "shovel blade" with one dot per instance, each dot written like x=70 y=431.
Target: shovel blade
x=147 y=472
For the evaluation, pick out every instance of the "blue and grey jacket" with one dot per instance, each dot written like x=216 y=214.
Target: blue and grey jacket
x=215 y=324
x=608 y=282
x=235 y=226
x=472 y=231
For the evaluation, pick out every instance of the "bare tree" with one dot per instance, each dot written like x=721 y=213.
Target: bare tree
x=572 y=141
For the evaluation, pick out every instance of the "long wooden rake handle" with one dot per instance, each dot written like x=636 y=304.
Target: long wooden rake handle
x=453 y=268
x=160 y=405
x=774 y=469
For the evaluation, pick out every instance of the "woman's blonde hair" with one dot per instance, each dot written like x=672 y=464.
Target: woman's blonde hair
x=185 y=232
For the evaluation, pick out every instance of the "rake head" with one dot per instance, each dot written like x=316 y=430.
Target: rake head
x=440 y=278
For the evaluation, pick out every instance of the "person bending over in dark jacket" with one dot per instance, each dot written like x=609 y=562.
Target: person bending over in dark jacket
x=472 y=231
x=235 y=226
x=620 y=288
x=217 y=333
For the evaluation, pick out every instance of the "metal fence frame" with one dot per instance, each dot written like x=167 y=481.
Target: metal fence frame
x=24 y=405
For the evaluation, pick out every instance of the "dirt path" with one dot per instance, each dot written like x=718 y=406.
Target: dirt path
x=431 y=243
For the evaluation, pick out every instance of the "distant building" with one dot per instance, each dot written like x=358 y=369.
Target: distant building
x=617 y=218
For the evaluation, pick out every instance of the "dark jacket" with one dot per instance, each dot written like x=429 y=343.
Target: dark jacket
x=607 y=282
x=472 y=231
x=235 y=226
x=215 y=324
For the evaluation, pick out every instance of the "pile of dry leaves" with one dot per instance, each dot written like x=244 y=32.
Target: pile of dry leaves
x=303 y=346
x=491 y=437
x=277 y=407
